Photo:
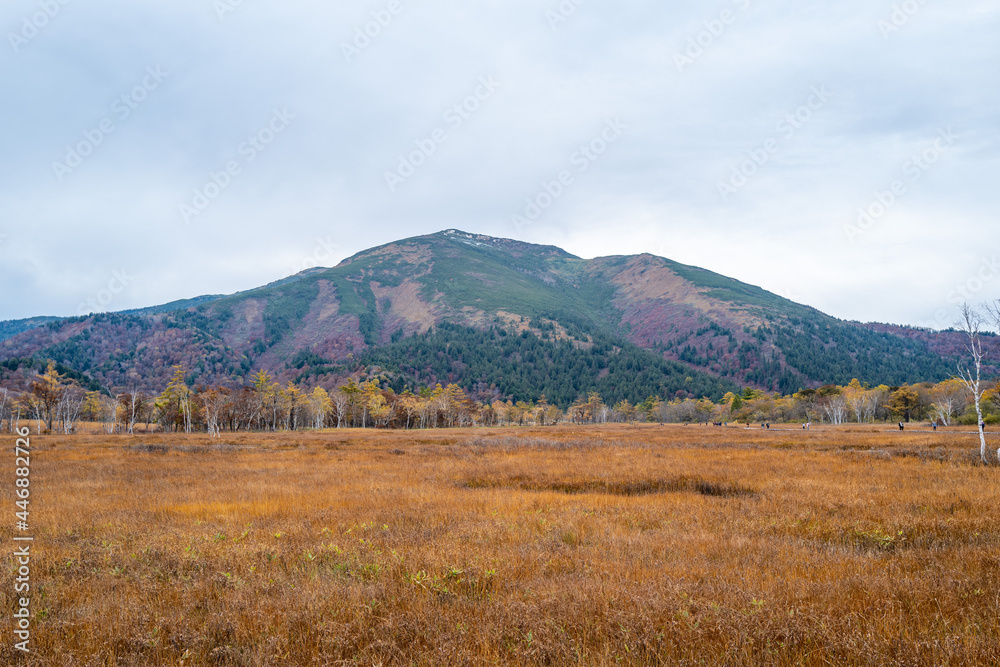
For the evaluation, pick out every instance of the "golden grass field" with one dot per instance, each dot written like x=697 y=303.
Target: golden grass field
x=632 y=545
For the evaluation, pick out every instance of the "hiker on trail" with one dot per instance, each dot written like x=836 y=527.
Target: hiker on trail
x=982 y=425
x=935 y=426
x=900 y=426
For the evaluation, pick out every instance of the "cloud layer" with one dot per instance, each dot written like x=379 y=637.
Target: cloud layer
x=841 y=154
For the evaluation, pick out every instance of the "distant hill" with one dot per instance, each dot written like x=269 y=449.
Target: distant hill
x=11 y=328
x=452 y=306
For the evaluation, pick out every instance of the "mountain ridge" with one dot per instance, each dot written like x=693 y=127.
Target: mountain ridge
x=719 y=331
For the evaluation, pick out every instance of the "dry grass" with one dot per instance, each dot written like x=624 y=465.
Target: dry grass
x=620 y=545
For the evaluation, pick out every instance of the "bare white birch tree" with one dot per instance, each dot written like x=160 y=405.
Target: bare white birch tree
x=971 y=377
x=836 y=410
x=341 y=403
x=876 y=400
x=603 y=412
x=70 y=407
x=214 y=401
x=108 y=414
x=132 y=402
x=5 y=410
x=35 y=408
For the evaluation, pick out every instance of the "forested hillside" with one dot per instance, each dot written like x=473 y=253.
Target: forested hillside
x=499 y=363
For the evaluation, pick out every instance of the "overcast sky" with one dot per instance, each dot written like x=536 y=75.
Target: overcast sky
x=152 y=151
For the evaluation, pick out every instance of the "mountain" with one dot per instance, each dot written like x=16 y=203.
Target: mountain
x=11 y=328
x=499 y=316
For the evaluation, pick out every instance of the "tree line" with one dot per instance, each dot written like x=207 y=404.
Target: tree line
x=59 y=404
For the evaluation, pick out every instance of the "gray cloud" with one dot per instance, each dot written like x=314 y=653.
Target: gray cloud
x=692 y=124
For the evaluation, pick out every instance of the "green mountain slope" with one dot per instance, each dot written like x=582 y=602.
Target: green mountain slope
x=499 y=362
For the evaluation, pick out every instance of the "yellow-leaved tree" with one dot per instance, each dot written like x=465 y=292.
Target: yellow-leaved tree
x=46 y=391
